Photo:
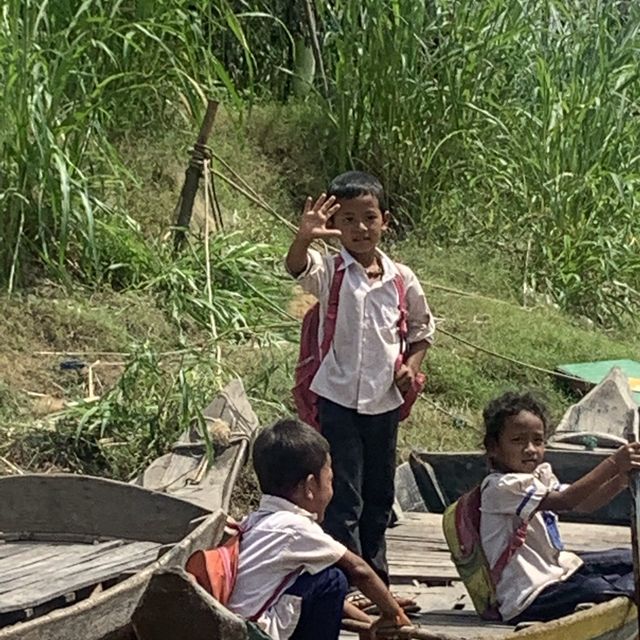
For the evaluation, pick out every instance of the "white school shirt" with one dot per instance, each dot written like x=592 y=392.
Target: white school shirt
x=279 y=539
x=358 y=371
x=506 y=500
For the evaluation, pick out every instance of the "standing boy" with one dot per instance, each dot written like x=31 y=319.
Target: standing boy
x=359 y=383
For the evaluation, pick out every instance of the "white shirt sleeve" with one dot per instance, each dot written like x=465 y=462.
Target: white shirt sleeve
x=517 y=494
x=313 y=550
x=315 y=277
x=420 y=319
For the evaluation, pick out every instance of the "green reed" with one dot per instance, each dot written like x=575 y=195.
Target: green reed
x=74 y=76
x=509 y=123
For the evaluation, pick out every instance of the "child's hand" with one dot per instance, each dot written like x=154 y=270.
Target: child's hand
x=315 y=217
x=404 y=378
x=627 y=457
x=388 y=623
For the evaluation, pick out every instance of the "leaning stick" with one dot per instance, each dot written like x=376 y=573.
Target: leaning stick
x=199 y=153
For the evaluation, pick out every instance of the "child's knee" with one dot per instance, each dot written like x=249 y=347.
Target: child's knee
x=337 y=580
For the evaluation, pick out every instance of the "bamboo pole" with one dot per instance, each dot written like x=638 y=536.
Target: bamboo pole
x=199 y=154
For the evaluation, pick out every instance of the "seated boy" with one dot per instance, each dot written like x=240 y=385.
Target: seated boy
x=292 y=576
x=540 y=580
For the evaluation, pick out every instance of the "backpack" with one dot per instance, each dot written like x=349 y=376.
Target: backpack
x=216 y=570
x=312 y=354
x=461 y=526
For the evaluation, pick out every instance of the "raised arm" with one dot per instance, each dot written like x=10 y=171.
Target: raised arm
x=590 y=491
x=313 y=225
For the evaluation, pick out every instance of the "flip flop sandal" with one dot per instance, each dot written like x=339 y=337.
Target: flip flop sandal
x=359 y=600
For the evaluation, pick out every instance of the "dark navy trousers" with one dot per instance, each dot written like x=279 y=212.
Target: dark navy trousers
x=603 y=576
x=322 y=597
x=363 y=456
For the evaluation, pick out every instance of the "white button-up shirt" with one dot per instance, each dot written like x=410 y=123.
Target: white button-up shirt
x=358 y=371
x=280 y=539
x=507 y=500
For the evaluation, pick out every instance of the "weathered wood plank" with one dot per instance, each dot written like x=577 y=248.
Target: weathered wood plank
x=38 y=556
x=108 y=614
x=58 y=575
x=417 y=548
x=58 y=503
x=173 y=607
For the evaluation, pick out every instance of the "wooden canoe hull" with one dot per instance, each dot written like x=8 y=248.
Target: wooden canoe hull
x=107 y=615
x=176 y=507
x=614 y=620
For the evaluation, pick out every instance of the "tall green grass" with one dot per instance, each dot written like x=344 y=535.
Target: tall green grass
x=513 y=124
x=74 y=76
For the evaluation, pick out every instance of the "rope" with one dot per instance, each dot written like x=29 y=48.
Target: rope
x=557 y=374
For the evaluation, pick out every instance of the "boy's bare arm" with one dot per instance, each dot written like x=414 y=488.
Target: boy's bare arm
x=604 y=494
x=313 y=225
x=417 y=352
x=621 y=462
x=362 y=576
x=405 y=375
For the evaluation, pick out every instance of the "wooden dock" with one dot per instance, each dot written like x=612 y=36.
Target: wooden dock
x=421 y=568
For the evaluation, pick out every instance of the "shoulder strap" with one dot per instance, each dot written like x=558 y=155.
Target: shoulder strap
x=329 y=326
x=274 y=596
x=517 y=540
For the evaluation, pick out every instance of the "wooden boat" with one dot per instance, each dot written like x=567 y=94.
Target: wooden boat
x=174 y=608
x=77 y=552
x=432 y=481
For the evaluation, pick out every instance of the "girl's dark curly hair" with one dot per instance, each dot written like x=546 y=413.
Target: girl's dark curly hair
x=507 y=405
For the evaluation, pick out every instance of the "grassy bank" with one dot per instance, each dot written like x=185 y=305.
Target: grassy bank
x=149 y=392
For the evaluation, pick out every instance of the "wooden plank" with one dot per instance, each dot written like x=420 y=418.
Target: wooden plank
x=173 y=607
x=416 y=548
x=37 y=556
x=56 y=576
x=59 y=503
x=108 y=614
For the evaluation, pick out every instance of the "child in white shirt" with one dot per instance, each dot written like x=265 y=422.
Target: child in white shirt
x=359 y=383
x=541 y=581
x=292 y=576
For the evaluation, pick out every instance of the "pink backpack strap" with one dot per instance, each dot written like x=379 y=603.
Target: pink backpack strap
x=517 y=540
x=329 y=326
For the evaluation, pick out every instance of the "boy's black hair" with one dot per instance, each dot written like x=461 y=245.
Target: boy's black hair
x=285 y=453
x=358 y=183
x=507 y=405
